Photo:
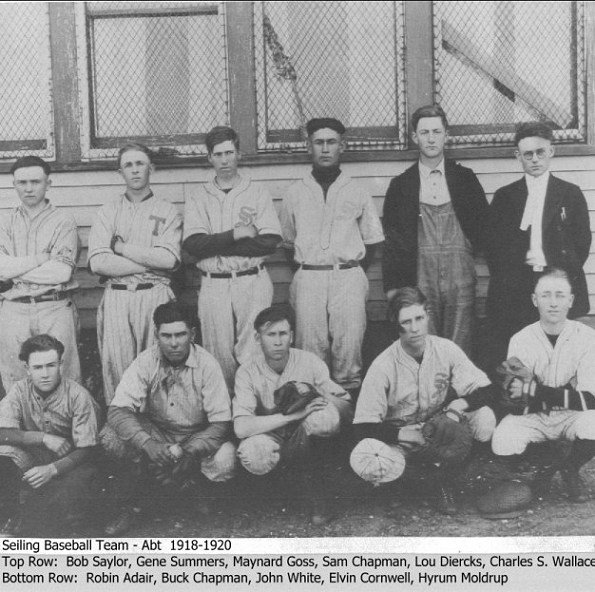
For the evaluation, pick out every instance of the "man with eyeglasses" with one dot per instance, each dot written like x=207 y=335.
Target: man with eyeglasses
x=537 y=222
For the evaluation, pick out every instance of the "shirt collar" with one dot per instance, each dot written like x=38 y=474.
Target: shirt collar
x=147 y=197
x=25 y=212
x=537 y=182
x=425 y=171
x=191 y=360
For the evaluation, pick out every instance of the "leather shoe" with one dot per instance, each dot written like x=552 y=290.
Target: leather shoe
x=319 y=514
x=121 y=524
x=574 y=485
x=446 y=501
x=13 y=527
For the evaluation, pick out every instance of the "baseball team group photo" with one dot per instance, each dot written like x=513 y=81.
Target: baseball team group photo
x=326 y=343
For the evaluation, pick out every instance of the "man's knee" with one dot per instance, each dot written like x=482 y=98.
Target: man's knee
x=483 y=424
x=220 y=466
x=259 y=454
x=377 y=462
x=584 y=426
x=510 y=437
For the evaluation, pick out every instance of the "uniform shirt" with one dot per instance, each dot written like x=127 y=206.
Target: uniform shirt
x=570 y=361
x=400 y=390
x=69 y=412
x=212 y=211
x=256 y=382
x=533 y=218
x=153 y=222
x=49 y=231
x=433 y=189
x=331 y=231
x=179 y=399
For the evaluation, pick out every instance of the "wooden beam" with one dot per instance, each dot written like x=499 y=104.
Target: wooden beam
x=590 y=70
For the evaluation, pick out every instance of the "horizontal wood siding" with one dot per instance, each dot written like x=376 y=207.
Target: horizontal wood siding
x=82 y=193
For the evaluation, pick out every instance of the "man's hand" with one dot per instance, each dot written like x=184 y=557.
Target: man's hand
x=39 y=476
x=158 y=453
x=315 y=405
x=244 y=231
x=515 y=389
x=57 y=444
x=390 y=294
x=118 y=245
x=411 y=434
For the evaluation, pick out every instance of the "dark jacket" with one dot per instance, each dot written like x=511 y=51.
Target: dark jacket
x=566 y=239
x=400 y=219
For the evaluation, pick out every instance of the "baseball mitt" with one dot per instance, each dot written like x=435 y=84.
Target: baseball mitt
x=448 y=436
x=294 y=396
x=508 y=371
x=505 y=500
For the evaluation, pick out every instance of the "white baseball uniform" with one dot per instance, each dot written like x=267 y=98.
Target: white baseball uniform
x=36 y=304
x=400 y=390
x=571 y=362
x=330 y=304
x=227 y=306
x=124 y=317
x=255 y=386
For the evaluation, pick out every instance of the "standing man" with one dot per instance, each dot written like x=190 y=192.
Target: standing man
x=269 y=437
x=171 y=417
x=134 y=245
x=48 y=433
x=330 y=228
x=230 y=227
x=435 y=218
x=38 y=253
x=555 y=397
x=538 y=221
x=408 y=383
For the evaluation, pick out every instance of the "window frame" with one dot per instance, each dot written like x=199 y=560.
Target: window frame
x=242 y=92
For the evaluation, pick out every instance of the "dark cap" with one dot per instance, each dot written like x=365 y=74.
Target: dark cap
x=324 y=123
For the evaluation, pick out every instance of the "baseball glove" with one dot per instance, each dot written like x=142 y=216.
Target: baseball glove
x=508 y=371
x=448 y=439
x=505 y=500
x=294 y=396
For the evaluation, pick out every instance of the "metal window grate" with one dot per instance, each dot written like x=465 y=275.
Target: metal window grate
x=26 y=126
x=499 y=63
x=157 y=74
x=330 y=59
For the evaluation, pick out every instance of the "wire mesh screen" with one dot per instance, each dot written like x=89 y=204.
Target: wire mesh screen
x=499 y=63
x=25 y=99
x=158 y=74
x=330 y=59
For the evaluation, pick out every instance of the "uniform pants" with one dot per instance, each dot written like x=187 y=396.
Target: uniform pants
x=227 y=308
x=125 y=329
x=19 y=321
x=330 y=309
x=515 y=432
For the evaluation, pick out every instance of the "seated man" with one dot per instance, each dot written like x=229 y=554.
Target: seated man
x=48 y=430
x=555 y=391
x=410 y=382
x=170 y=417
x=268 y=437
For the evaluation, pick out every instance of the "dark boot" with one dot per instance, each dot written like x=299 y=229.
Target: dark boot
x=10 y=519
x=581 y=453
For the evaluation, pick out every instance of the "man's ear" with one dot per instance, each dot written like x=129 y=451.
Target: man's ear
x=534 y=300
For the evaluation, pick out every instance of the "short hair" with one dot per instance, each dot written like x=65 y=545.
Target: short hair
x=324 y=123
x=40 y=343
x=403 y=298
x=173 y=312
x=220 y=134
x=275 y=314
x=428 y=111
x=533 y=129
x=556 y=273
x=130 y=146
x=31 y=161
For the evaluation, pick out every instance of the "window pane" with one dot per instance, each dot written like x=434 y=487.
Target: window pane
x=161 y=78
x=498 y=63
x=25 y=100
x=333 y=59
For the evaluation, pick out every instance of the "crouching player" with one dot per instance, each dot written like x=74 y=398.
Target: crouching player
x=299 y=439
x=411 y=381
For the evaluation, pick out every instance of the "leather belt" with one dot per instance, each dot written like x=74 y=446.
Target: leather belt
x=131 y=287
x=329 y=267
x=49 y=297
x=226 y=276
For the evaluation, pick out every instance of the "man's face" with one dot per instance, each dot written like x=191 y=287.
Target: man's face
x=136 y=169
x=430 y=136
x=45 y=368
x=413 y=326
x=553 y=299
x=275 y=340
x=535 y=155
x=325 y=145
x=174 y=341
x=225 y=158
x=31 y=184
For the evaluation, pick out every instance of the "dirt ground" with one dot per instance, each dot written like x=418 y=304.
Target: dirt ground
x=268 y=507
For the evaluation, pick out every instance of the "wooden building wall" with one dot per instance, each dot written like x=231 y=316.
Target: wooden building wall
x=82 y=193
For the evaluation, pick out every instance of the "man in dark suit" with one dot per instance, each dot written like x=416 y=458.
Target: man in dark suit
x=537 y=222
x=435 y=217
